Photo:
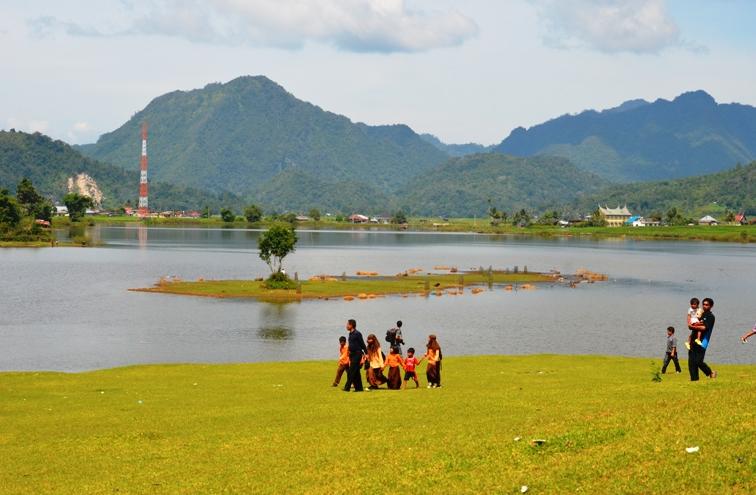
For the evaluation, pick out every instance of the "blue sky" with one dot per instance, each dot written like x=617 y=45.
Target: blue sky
x=463 y=70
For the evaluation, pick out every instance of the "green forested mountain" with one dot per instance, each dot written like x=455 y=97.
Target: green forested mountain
x=733 y=189
x=455 y=149
x=639 y=141
x=298 y=191
x=239 y=135
x=50 y=163
x=463 y=186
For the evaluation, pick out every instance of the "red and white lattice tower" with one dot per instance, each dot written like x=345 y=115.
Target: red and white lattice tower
x=144 y=209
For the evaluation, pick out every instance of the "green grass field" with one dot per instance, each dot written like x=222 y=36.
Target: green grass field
x=319 y=289
x=281 y=428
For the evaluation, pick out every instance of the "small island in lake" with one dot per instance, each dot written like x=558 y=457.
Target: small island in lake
x=370 y=285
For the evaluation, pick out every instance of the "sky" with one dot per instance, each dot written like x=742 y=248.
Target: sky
x=465 y=71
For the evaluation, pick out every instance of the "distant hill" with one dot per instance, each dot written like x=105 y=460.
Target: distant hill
x=50 y=163
x=239 y=135
x=463 y=186
x=455 y=149
x=733 y=189
x=298 y=191
x=640 y=141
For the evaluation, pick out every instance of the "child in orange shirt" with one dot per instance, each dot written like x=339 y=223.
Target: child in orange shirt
x=394 y=363
x=343 y=360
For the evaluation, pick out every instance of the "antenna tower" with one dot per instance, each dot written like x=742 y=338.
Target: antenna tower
x=143 y=210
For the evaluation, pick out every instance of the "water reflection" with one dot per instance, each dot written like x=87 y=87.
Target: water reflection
x=275 y=333
x=277 y=321
x=142 y=236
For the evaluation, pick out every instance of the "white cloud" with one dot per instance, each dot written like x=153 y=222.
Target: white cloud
x=352 y=25
x=80 y=132
x=610 y=26
x=81 y=127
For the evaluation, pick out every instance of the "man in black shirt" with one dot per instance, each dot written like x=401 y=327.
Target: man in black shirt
x=697 y=352
x=357 y=350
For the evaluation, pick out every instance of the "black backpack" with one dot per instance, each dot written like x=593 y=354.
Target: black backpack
x=391 y=336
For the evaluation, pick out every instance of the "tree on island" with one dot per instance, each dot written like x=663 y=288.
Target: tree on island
x=77 y=205
x=253 y=213
x=315 y=214
x=227 y=215
x=274 y=244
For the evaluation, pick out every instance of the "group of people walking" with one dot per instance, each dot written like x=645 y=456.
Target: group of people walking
x=355 y=354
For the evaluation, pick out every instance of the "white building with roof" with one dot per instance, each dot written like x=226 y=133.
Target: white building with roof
x=708 y=220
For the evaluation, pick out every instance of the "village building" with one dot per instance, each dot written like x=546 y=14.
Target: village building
x=357 y=218
x=708 y=220
x=61 y=211
x=615 y=217
x=635 y=221
x=741 y=219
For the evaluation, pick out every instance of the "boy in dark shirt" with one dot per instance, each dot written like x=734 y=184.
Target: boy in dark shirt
x=671 y=353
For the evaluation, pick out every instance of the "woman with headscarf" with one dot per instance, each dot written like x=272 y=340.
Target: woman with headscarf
x=433 y=368
x=375 y=362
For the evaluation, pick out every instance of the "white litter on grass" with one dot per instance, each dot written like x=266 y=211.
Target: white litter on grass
x=517 y=439
x=139 y=402
x=195 y=384
x=102 y=391
x=523 y=488
x=692 y=450
x=537 y=441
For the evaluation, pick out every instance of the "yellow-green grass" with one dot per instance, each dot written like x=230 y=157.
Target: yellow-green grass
x=24 y=244
x=335 y=287
x=281 y=428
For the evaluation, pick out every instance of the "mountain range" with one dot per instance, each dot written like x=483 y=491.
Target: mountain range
x=471 y=184
x=639 y=140
x=250 y=141
x=241 y=135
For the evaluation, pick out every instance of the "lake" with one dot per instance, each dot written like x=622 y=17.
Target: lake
x=69 y=309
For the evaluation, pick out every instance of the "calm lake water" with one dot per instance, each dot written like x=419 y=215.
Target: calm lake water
x=69 y=309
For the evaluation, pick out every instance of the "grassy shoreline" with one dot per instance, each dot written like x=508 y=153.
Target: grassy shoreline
x=281 y=427
x=24 y=244
x=351 y=287
x=722 y=233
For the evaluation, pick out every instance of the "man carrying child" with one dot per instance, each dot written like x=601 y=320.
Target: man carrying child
x=697 y=351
